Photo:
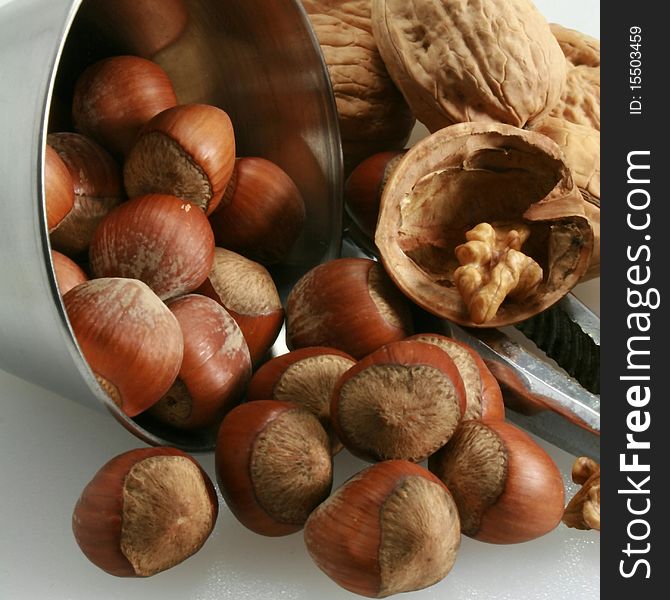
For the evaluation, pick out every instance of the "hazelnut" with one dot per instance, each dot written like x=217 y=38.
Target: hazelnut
x=214 y=371
x=307 y=377
x=145 y=511
x=161 y=240
x=273 y=465
x=68 y=273
x=246 y=290
x=262 y=212
x=58 y=188
x=404 y=401
x=363 y=189
x=130 y=339
x=141 y=27
x=186 y=151
x=349 y=304
x=483 y=397
x=115 y=97
x=506 y=487
x=97 y=190
x=392 y=528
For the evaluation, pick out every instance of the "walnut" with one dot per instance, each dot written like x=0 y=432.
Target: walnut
x=373 y=116
x=580 y=102
x=581 y=148
x=465 y=60
x=472 y=173
x=578 y=48
x=493 y=267
x=583 y=511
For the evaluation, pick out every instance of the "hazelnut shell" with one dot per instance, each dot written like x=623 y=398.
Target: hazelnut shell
x=391 y=528
x=306 y=456
x=115 y=97
x=484 y=399
x=349 y=304
x=98 y=517
x=262 y=213
x=389 y=405
x=214 y=371
x=507 y=488
x=159 y=239
x=130 y=339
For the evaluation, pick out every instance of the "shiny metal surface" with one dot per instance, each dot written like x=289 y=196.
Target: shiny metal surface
x=257 y=59
x=542 y=398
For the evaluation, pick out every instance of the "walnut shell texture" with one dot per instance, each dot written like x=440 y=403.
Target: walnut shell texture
x=373 y=115
x=580 y=102
x=471 y=173
x=470 y=60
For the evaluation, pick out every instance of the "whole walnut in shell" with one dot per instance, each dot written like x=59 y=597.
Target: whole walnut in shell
x=470 y=60
x=580 y=102
x=470 y=174
x=373 y=115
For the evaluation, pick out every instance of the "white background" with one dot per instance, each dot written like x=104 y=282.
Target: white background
x=50 y=447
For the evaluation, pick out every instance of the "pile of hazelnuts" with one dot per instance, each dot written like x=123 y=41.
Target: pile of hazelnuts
x=162 y=269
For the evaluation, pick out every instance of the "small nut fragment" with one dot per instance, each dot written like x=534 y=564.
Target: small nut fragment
x=493 y=267
x=583 y=511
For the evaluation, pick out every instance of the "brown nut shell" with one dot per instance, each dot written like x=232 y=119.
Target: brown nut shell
x=130 y=339
x=273 y=465
x=391 y=528
x=456 y=61
x=246 y=290
x=58 y=188
x=471 y=173
x=214 y=371
x=363 y=189
x=483 y=397
x=68 y=273
x=97 y=190
x=145 y=511
x=349 y=304
x=159 y=239
x=507 y=488
x=141 y=27
x=581 y=148
x=403 y=401
x=262 y=212
x=186 y=151
x=115 y=97
x=307 y=377
x=372 y=114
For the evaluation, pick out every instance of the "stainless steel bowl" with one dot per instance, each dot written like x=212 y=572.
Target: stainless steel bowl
x=256 y=59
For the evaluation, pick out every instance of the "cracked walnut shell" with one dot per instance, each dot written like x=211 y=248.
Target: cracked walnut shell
x=581 y=147
x=473 y=173
x=474 y=60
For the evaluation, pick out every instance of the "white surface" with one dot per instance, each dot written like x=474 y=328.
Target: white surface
x=51 y=447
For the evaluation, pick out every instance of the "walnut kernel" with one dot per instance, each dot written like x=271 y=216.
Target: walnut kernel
x=493 y=267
